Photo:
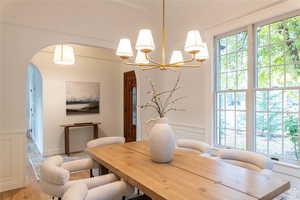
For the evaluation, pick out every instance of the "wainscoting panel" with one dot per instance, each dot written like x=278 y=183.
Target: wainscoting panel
x=12 y=160
x=187 y=131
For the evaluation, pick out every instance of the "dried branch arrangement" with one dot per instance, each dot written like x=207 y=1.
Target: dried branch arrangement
x=163 y=102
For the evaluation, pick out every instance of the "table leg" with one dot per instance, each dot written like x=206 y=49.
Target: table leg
x=103 y=170
x=96 y=135
x=67 y=141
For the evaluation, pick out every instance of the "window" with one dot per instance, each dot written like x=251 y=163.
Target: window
x=231 y=90
x=262 y=114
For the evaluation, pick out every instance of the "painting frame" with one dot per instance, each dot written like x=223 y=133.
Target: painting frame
x=82 y=98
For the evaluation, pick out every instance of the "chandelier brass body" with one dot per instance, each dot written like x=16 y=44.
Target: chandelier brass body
x=193 y=62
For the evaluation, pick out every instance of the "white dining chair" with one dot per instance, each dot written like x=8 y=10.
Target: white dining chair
x=54 y=179
x=113 y=191
x=248 y=160
x=103 y=142
x=88 y=163
x=193 y=145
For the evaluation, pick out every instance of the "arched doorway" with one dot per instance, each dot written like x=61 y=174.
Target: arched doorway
x=34 y=107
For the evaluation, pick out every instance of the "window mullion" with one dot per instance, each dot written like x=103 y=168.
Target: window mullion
x=250 y=134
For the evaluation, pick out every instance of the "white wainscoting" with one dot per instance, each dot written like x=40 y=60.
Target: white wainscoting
x=187 y=131
x=12 y=159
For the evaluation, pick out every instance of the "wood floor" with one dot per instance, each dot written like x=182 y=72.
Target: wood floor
x=32 y=190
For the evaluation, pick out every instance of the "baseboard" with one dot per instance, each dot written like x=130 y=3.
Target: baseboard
x=53 y=151
x=59 y=151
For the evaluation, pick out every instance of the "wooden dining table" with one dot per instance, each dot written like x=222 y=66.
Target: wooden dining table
x=188 y=177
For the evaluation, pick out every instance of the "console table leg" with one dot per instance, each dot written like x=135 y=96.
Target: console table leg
x=67 y=141
x=96 y=135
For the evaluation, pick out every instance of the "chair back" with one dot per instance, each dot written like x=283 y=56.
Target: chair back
x=246 y=159
x=105 y=141
x=193 y=145
x=52 y=172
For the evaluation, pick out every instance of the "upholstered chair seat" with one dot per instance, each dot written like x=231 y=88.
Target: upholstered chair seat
x=248 y=160
x=193 y=145
x=112 y=191
x=54 y=179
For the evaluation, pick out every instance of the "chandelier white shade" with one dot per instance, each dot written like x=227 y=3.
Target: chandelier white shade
x=193 y=42
x=124 y=49
x=141 y=58
x=64 y=55
x=145 y=45
x=145 y=41
x=203 y=54
x=176 y=57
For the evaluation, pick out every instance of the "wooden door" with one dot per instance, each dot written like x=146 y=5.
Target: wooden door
x=130 y=106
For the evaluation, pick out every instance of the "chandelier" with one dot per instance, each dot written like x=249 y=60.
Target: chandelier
x=145 y=45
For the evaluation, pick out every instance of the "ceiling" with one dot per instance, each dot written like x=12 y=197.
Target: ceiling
x=205 y=13
x=109 y=20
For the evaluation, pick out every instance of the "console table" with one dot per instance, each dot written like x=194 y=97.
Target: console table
x=77 y=125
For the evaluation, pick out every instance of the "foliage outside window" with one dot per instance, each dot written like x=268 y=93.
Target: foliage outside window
x=275 y=91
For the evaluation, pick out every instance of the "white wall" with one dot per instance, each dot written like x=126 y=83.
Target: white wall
x=1 y=76
x=92 y=65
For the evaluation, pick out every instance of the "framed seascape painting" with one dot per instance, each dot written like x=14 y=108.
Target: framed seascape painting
x=82 y=98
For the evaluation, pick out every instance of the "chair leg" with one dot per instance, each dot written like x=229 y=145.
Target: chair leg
x=103 y=170
x=91 y=173
x=123 y=198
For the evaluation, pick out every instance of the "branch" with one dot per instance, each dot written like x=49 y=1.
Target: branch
x=175 y=88
x=173 y=109
x=175 y=101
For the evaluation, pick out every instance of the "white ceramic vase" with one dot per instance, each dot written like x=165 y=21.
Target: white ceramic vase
x=162 y=141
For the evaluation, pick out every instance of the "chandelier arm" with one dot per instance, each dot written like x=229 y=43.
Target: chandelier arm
x=186 y=66
x=140 y=65
x=184 y=61
x=151 y=60
x=155 y=67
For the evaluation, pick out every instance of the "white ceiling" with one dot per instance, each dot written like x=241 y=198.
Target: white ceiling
x=205 y=13
x=110 y=20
